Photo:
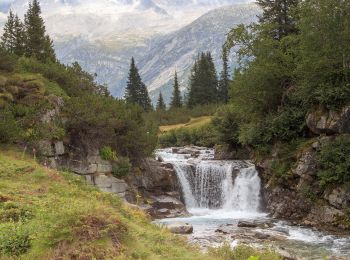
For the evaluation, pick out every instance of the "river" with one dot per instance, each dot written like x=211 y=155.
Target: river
x=223 y=195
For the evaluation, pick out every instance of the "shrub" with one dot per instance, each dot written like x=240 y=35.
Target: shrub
x=7 y=61
x=10 y=211
x=14 y=239
x=334 y=161
x=10 y=131
x=108 y=154
x=122 y=168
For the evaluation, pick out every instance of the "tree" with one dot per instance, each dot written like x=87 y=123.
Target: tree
x=176 y=101
x=224 y=78
x=203 y=81
x=160 y=104
x=8 y=37
x=136 y=91
x=19 y=36
x=279 y=14
x=38 y=44
x=324 y=68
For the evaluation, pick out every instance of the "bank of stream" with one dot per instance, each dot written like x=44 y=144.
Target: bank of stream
x=225 y=203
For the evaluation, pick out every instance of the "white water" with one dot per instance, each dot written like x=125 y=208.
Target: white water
x=215 y=185
x=221 y=193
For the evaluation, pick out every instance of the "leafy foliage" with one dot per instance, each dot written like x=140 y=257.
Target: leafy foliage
x=108 y=154
x=122 y=168
x=335 y=161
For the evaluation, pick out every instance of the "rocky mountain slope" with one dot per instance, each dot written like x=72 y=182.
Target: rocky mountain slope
x=159 y=57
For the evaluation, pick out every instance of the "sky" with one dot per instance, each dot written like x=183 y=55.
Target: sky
x=105 y=19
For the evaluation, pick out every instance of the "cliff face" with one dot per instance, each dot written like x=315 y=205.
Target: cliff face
x=299 y=195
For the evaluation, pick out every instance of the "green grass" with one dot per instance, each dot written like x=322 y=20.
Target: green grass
x=65 y=218
x=193 y=123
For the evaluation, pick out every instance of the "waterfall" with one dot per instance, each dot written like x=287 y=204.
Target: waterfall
x=210 y=184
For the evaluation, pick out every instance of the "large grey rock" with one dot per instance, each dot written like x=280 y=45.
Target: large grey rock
x=155 y=176
x=329 y=122
x=110 y=184
x=180 y=228
x=323 y=215
x=59 y=148
x=339 y=197
x=104 y=167
x=306 y=165
x=247 y=224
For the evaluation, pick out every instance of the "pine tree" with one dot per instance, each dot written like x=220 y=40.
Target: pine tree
x=38 y=44
x=19 y=34
x=8 y=41
x=160 y=104
x=176 y=101
x=224 y=78
x=278 y=13
x=136 y=91
x=203 y=88
x=144 y=99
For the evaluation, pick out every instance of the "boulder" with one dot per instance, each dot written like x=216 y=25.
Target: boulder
x=167 y=207
x=329 y=122
x=59 y=148
x=110 y=184
x=180 y=228
x=324 y=215
x=307 y=164
x=339 y=197
x=155 y=176
x=261 y=236
x=247 y=224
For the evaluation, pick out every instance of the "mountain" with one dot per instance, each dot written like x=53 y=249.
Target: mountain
x=158 y=57
x=162 y=35
x=177 y=50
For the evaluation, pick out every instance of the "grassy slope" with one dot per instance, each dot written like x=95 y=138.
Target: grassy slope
x=63 y=218
x=46 y=214
x=194 y=123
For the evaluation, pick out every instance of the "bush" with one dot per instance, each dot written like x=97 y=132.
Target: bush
x=7 y=61
x=14 y=239
x=10 y=131
x=122 y=168
x=12 y=212
x=334 y=161
x=108 y=154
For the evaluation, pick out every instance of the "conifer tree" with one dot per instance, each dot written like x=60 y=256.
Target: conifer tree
x=176 y=101
x=8 y=37
x=19 y=36
x=160 y=104
x=224 y=78
x=278 y=13
x=203 y=86
x=136 y=91
x=38 y=44
x=145 y=100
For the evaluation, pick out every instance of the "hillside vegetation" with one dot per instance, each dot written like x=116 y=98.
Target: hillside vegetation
x=47 y=214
